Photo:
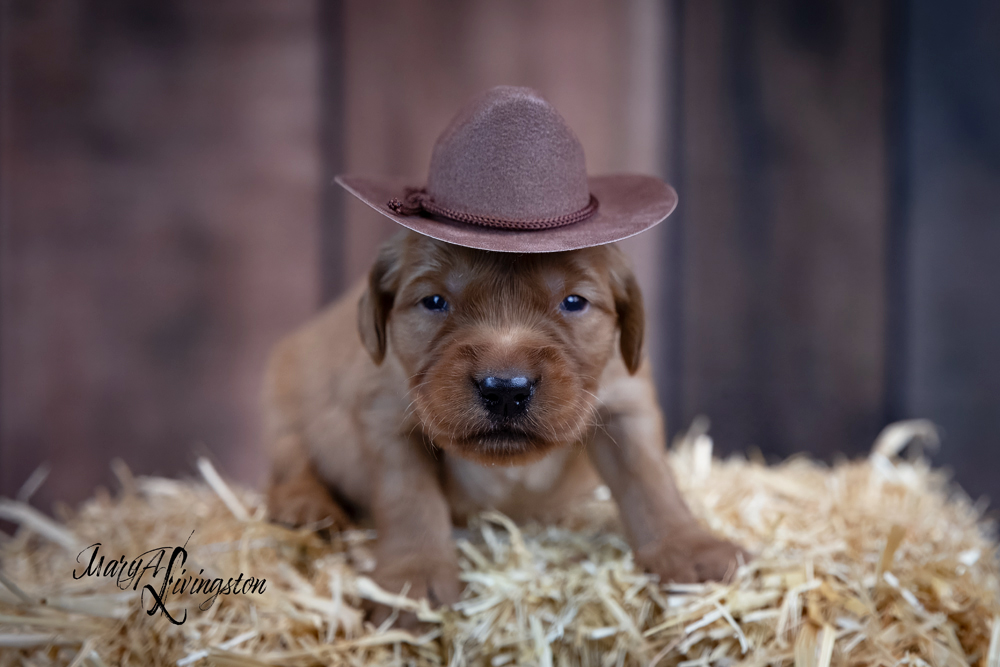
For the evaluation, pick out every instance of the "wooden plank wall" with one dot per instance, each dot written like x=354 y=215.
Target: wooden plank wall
x=950 y=238
x=839 y=226
x=783 y=198
x=168 y=211
x=160 y=197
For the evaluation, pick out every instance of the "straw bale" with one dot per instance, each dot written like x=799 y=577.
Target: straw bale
x=871 y=562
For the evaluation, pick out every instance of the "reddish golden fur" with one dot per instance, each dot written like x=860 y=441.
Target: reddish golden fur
x=392 y=427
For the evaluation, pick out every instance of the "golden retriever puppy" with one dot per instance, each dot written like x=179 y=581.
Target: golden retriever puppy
x=457 y=379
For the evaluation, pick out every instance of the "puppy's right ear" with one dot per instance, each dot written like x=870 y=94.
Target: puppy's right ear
x=376 y=302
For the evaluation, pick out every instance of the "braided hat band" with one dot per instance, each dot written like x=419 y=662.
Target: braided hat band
x=417 y=201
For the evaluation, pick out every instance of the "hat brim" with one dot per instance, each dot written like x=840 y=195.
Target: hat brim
x=627 y=205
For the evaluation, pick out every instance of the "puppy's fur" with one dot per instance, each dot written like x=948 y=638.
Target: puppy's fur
x=391 y=424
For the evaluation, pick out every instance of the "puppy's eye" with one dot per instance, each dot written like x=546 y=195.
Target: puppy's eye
x=435 y=302
x=573 y=303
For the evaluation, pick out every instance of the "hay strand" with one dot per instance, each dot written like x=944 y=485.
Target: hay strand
x=222 y=489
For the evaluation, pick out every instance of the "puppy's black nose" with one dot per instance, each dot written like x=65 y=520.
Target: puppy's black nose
x=505 y=397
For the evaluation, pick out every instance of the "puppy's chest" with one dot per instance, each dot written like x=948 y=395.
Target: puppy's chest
x=497 y=486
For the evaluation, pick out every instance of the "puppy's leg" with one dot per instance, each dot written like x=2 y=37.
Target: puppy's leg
x=296 y=495
x=665 y=536
x=414 y=527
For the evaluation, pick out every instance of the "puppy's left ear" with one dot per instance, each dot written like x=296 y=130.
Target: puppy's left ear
x=628 y=305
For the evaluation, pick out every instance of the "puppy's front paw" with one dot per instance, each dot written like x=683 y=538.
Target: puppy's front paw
x=691 y=555
x=427 y=576
x=305 y=502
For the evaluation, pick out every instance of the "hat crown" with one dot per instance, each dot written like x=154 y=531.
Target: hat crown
x=509 y=154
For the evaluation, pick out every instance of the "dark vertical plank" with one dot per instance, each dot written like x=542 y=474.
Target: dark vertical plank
x=712 y=313
x=898 y=116
x=784 y=237
x=333 y=222
x=670 y=370
x=5 y=167
x=953 y=370
x=827 y=96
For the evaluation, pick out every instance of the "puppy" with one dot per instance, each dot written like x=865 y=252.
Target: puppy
x=479 y=380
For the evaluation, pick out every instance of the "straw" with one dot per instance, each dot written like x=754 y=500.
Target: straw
x=872 y=562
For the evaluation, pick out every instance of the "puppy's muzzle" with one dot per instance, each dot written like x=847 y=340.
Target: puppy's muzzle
x=506 y=397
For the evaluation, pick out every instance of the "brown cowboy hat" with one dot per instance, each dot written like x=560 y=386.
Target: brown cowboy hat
x=508 y=175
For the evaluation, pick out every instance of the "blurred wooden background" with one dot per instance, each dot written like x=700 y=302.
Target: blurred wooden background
x=167 y=210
